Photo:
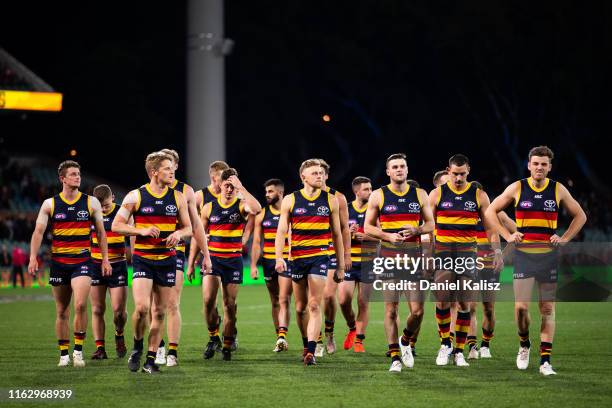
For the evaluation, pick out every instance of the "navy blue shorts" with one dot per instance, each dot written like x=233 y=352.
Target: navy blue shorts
x=180 y=261
x=316 y=265
x=542 y=267
x=163 y=273
x=116 y=280
x=229 y=269
x=61 y=274
x=270 y=273
x=333 y=263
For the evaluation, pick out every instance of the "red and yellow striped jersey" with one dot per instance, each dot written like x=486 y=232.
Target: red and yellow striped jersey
x=457 y=214
x=269 y=225
x=159 y=211
x=484 y=250
x=70 y=229
x=116 y=242
x=226 y=227
x=361 y=251
x=536 y=213
x=310 y=224
x=396 y=212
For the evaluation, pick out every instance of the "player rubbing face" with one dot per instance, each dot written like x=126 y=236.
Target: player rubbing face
x=72 y=178
x=397 y=170
x=362 y=192
x=165 y=173
x=539 y=166
x=272 y=194
x=228 y=190
x=313 y=176
x=458 y=175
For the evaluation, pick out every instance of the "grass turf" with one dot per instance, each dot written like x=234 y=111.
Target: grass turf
x=582 y=356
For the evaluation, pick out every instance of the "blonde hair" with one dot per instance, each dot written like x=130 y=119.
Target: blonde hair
x=218 y=165
x=309 y=163
x=172 y=153
x=154 y=161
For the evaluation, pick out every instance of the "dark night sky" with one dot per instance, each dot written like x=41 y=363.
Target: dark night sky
x=486 y=78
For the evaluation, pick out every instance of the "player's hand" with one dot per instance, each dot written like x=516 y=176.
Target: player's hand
x=173 y=239
x=107 y=269
x=190 y=272
x=235 y=182
x=395 y=238
x=33 y=266
x=206 y=264
x=339 y=272
x=515 y=237
x=254 y=272
x=281 y=266
x=354 y=228
x=152 y=232
x=359 y=236
x=498 y=262
x=557 y=240
x=348 y=263
x=410 y=231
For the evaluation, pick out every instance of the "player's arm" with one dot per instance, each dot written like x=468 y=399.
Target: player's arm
x=39 y=232
x=491 y=213
x=371 y=225
x=507 y=222
x=251 y=205
x=131 y=241
x=492 y=234
x=183 y=217
x=426 y=214
x=281 y=232
x=128 y=208
x=256 y=244
x=199 y=199
x=344 y=228
x=248 y=228
x=96 y=213
x=194 y=248
x=336 y=232
x=199 y=234
x=574 y=210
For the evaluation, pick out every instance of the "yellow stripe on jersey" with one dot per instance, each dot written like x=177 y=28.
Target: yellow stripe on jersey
x=456 y=220
x=71 y=231
x=454 y=239
x=534 y=222
x=161 y=227
x=310 y=242
x=225 y=233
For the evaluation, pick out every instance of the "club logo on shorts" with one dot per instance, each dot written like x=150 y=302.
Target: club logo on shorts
x=470 y=205
x=550 y=204
x=214 y=218
x=148 y=210
x=526 y=204
x=300 y=211
x=171 y=208
x=446 y=204
x=170 y=275
x=390 y=208
x=60 y=216
x=414 y=206
x=82 y=214
x=322 y=210
x=267 y=223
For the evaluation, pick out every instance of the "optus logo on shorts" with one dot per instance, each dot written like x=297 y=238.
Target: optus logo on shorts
x=526 y=204
x=390 y=208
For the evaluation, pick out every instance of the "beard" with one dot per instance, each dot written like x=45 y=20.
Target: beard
x=272 y=201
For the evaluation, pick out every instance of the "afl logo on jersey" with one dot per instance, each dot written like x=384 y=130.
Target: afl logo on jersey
x=550 y=204
x=214 y=218
x=414 y=206
x=82 y=214
x=60 y=216
x=470 y=205
x=446 y=204
x=526 y=204
x=323 y=210
x=390 y=208
x=171 y=208
x=267 y=224
x=300 y=211
x=148 y=210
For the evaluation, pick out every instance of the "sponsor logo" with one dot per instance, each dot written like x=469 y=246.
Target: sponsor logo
x=470 y=205
x=266 y=223
x=300 y=211
x=401 y=200
x=214 y=218
x=538 y=196
x=159 y=202
x=446 y=204
x=59 y=280
x=171 y=208
x=390 y=208
x=526 y=204
x=414 y=206
x=82 y=214
x=170 y=275
x=140 y=273
x=276 y=218
x=550 y=204
x=70 y=208
x=352 y=222
x=60 y=216
x=458 y=198
x=322 y=210
x=311 y=204
x=148 y=210
x=225 y=212
x=106 y=219
x=236 y=274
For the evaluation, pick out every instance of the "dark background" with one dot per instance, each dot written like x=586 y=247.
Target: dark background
x=489 y=79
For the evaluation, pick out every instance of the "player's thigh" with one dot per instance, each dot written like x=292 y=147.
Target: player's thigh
x=118 y=297
x=345 y=291
x=162 y=295
x=330 y=285
x=62 y=295
x=523 y=289
x=97 y=294
x=81 y=286
x=142 y=289
x=300 y=291
x=365 y=291
x=285 y=287
x=230 y=293
x=316 y=287
x=210 y=287
x=273 y=287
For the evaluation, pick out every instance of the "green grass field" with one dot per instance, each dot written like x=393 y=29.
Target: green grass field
x=582 y=357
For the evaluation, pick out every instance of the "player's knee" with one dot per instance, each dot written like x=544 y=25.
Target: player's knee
x=391 y=314
x=362 y=304
x=63 y=314
x=284 y=301
x=81 y=306
x=417 y=313
x=98 y=310
x=314 y=307
x=142 y=310
x=547 y=311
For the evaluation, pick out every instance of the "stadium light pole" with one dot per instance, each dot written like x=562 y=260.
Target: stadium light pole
x=206 y=50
